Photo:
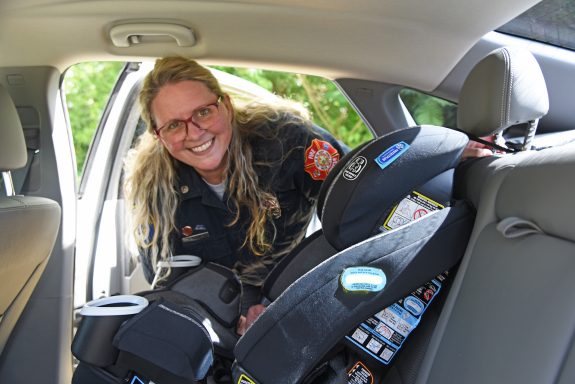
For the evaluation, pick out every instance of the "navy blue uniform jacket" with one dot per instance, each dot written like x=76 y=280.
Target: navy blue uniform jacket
x=291 y=166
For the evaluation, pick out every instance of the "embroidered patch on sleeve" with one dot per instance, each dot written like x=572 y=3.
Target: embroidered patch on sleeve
x=320 y=157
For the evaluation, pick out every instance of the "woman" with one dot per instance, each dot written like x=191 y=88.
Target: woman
x=233 y=185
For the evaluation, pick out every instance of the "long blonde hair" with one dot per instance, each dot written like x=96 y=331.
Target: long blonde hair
x=150 y=170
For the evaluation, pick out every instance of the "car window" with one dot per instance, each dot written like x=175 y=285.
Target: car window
x=550 y=21
x=87 y=88
x=88 y=85
x=328 y=106
x=427 y=109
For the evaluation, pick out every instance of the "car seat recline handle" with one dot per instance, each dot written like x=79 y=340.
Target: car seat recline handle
x=131 y=34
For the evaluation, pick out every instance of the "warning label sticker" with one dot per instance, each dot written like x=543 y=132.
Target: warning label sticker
x=383 y=334
x=412 y=207
x=243 y=379
x=359 y=374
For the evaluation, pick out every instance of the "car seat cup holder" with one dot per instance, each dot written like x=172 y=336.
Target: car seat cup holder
x=177 y=265
x=101 y=319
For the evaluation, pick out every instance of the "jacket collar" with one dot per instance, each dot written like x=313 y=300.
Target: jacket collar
x=190 y=185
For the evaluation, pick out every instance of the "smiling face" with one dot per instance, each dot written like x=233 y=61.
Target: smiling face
x=202 y=147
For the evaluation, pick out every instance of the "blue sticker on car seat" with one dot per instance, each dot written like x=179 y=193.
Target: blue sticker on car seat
x=413 y=305
x=363 y=279
x=391 y=154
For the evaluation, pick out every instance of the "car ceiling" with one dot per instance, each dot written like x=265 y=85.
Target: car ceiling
x=410 y=42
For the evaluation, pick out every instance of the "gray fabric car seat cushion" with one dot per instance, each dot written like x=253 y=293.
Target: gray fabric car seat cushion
x=510 y=315
x=540 y=189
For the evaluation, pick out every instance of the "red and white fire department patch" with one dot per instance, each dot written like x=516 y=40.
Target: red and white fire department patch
x=320 y=157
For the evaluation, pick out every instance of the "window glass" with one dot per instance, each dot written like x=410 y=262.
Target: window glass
x=87 y=87
x=329 y=108
x=550 y=21
x=427 y=109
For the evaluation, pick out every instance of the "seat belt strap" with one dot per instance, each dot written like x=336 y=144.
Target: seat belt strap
x=487 y=143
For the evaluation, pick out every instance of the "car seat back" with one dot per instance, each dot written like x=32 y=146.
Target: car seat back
x=28 y=226
x=510 y=316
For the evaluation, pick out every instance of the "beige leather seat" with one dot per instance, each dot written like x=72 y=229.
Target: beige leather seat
x=28 y=227
x=510 y=315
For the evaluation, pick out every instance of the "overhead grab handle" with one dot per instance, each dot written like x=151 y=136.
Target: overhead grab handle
x=126 y=35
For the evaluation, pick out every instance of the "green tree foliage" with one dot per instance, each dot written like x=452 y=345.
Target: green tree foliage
x=87 y=87
x=327 y=105
x=427 y=109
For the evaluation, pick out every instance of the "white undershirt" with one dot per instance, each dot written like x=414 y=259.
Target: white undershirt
x=218 y=189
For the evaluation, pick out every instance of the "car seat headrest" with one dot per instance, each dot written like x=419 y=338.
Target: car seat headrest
x=12 y=144
x=363 y=188
x=505 y=88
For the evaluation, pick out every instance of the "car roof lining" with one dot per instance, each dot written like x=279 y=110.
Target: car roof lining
x=409 y=42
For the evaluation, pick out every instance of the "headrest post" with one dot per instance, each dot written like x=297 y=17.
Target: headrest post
x=529 y=134
x=8 y=184
x=499 y=139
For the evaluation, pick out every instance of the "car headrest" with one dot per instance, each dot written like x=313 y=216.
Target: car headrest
x=12 y=144
x=367 y=183
x=505 y=88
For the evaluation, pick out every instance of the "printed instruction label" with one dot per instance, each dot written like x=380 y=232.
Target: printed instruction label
x=383 y=334
x=413 y=206
x=359 y=374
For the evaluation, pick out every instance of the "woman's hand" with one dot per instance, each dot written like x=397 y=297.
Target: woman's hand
x=475 y=149
x=246 y=321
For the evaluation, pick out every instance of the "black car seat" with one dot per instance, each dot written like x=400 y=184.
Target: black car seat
x=28 y=226
x=309 y=319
